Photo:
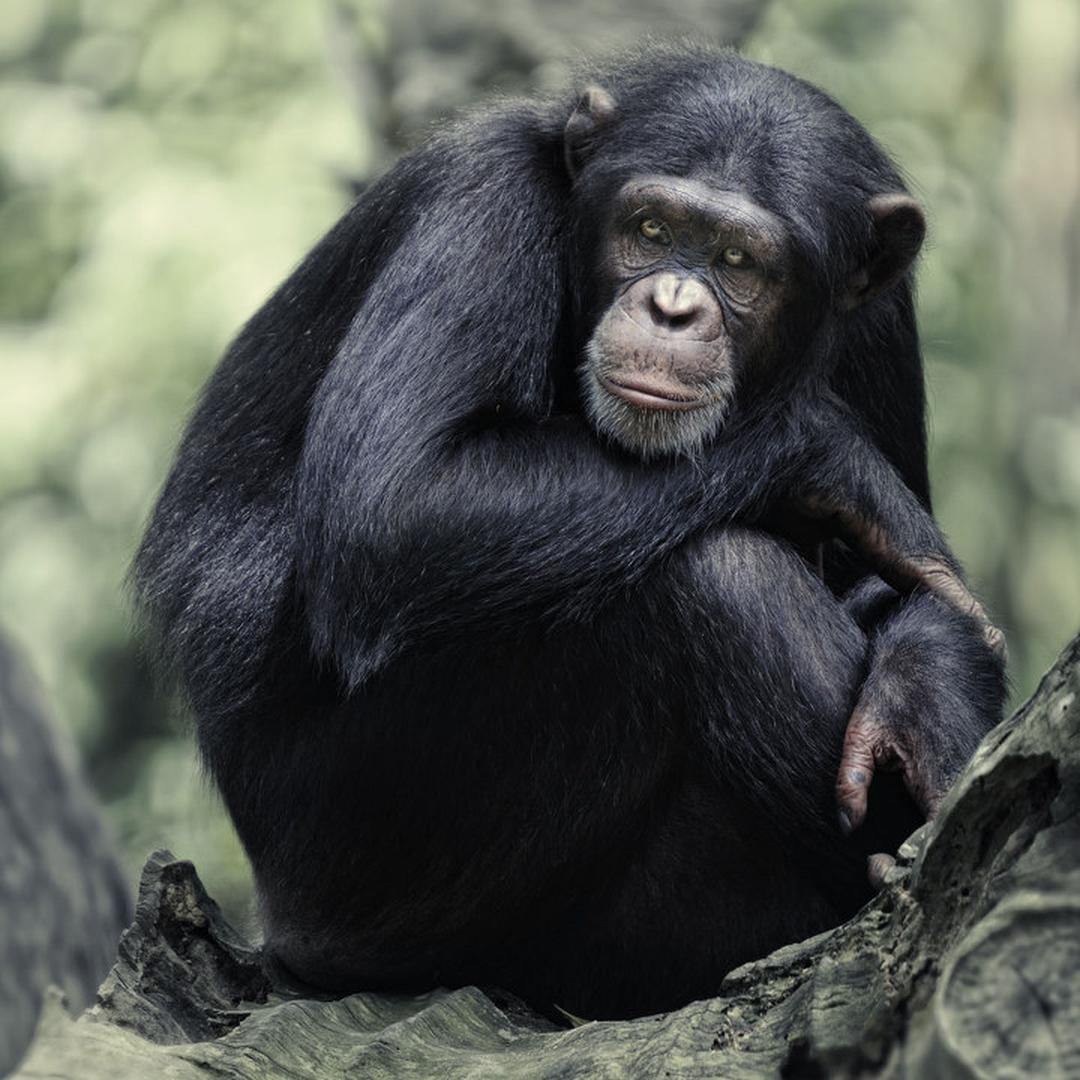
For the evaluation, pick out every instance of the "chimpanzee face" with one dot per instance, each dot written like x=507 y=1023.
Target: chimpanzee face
x=704 y=296
x=696 y=281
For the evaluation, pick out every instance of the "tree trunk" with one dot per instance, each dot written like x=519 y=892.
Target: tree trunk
x=63 y=897
x=965 y=966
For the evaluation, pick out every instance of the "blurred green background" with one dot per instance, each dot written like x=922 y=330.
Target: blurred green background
x=163 y=163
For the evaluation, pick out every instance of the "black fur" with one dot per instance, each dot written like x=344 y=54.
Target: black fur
x=487 y=699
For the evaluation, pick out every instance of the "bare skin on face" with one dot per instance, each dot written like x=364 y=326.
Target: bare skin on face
x=695 y=279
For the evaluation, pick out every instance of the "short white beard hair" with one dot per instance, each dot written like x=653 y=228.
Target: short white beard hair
x=653 y=433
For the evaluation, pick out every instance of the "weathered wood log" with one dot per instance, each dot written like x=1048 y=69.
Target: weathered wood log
x=965 y=966
x=63 y=897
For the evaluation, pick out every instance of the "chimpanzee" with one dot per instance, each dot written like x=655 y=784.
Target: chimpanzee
x=550 y=558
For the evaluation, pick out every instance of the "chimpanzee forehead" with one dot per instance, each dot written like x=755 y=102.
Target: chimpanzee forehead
x=737 y=126
x=718 y=167
x=808 y=173
x=748 y=127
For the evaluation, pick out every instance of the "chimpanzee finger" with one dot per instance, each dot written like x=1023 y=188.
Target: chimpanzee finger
x=924 y=786
x=857 y=764
x=877 y=869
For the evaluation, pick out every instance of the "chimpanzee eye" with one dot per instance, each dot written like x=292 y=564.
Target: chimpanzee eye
x=736 y=256
x=655 y=230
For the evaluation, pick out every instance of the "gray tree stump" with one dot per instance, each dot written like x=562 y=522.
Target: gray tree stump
x=967 y=965
x=63 y=897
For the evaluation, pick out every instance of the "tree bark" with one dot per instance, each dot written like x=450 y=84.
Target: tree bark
x=63 y=896
x=964 y=966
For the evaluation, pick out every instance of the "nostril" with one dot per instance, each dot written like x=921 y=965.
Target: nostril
x=675 y=317
x=683 y=318
x=657 y=313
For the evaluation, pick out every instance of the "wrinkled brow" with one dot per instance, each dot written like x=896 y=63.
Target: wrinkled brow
x=683 y=202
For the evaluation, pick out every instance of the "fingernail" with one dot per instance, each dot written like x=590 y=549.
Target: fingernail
x=845 y=822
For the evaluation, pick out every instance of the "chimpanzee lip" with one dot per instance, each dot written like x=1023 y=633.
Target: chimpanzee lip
x=649 y=393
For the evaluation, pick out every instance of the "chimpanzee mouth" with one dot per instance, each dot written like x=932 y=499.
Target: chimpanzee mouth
x=648 y=415
x=649 y=392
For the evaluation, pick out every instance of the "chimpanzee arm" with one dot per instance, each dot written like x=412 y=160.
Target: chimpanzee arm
x=413 y=524
x=376 y=450
x=933 y=687
x=435 y=490
x=935 y=679
x=847 y=481
x=213 y=574
x=423 y=530
x=410 y=478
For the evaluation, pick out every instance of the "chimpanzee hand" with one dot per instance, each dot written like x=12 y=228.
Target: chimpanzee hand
x=935 y=682
x=933 y=689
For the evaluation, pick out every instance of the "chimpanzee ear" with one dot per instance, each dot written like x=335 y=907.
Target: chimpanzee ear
x=899 y=228
x=594 y=111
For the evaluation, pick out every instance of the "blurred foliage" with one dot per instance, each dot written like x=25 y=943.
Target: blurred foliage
x=164 y=163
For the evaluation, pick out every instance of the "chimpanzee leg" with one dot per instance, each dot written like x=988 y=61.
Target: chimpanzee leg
x=604 y=816
x=740 y=851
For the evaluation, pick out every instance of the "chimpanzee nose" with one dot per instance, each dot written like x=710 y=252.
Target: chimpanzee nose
x=677 y=303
